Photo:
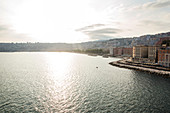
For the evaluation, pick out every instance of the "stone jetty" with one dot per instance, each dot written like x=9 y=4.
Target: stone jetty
x=146 y=68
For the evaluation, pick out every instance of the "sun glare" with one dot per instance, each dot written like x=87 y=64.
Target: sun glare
x=57 y=67
x=53 y=21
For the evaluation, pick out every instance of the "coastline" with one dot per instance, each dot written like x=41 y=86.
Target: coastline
x=149 y=69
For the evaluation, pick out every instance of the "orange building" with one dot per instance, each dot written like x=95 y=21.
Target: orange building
x=121 y=51
x=162 y=54
x=118 y=51
x=127 y=51
x=167 y=60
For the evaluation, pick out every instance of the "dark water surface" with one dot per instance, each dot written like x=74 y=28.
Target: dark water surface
x=68 y=82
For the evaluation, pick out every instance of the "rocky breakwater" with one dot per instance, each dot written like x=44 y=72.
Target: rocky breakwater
x=142 y=67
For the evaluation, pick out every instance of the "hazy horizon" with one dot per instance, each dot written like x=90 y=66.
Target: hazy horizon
x=77 y=21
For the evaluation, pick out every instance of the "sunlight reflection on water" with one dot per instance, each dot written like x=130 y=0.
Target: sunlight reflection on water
x=69 y=82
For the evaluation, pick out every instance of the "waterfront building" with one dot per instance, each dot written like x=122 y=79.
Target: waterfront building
x=111 y=51
x=136 y=52
x=152 y=53
x=115 y=51
x=163 y=56
x=140 y=52
x=167 y=60
x=127 y=51
x=118 y=51
x=145 y=54
x=121 y=51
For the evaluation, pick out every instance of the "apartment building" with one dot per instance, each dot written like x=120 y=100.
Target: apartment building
x=127 y=51
x=118 y=51
x=111 y=51
x=121 y=51
x=145 y=54
x=152 y=53
x=163 y=56
x=167 y=60
x=140 y=52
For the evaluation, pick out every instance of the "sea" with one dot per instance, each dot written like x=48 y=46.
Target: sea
x=60 y=82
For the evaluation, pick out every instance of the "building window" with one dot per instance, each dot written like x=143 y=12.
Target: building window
x=160 y=63
x=166 y=57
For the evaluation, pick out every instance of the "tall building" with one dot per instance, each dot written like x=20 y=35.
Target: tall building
x=163 y=56
x=127 y=51
x=145 y=54
x=140 y=52
x=167 y=60
x=118 y=51
x=111 y=51
x=152 y=53
x=121 y=51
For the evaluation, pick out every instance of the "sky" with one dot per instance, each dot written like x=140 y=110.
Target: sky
x=74 y=21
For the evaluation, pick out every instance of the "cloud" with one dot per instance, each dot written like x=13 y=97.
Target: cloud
x=90 y=27
x=149 y=26
x=157 y=4
x=103 y=31
x=101 y=34
x=155 y=23
x=99 y=31
x=153 y=5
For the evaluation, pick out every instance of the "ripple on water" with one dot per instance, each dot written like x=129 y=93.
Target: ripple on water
x=41 y=83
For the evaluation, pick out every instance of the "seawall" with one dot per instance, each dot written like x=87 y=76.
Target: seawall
x=140 y=68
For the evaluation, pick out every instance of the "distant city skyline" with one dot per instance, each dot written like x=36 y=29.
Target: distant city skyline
x=72 y=21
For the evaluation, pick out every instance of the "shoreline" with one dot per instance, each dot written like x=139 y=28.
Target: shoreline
x=156 y=70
